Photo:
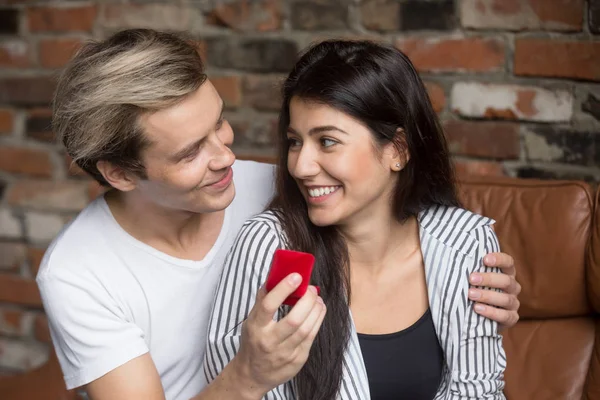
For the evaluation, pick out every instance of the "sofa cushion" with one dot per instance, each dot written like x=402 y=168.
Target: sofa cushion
x=594 y=259
x=545 y=226
x=548 y=359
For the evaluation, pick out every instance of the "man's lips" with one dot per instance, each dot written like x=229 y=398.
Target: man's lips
x=224 y=181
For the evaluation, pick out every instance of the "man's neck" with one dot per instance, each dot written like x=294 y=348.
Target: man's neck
x=180 y=234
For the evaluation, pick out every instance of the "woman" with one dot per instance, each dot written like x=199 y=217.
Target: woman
x=365 y=184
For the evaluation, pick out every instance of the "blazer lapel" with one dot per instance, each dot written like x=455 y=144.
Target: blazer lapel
x=355 y=383
x=444 y=247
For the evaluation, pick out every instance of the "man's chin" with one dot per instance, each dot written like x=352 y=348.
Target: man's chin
x=218 y=202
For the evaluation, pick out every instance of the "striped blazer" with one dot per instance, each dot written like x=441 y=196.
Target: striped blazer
x=453 y=243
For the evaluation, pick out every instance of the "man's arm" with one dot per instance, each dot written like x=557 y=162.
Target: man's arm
x=136 y=379
x=270 y=353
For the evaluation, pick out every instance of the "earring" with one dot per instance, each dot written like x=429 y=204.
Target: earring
x=398 y=165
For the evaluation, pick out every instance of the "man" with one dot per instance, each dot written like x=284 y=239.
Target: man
x=128 y=285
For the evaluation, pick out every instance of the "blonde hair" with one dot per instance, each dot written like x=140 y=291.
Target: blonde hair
x=109 y=84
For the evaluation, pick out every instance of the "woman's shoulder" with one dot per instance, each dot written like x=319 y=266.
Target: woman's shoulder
x=454 y=226
x=455 y=218
x=268 y=218
x=265 y=224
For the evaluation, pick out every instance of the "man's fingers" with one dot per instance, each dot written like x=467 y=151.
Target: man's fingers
x=493 y=298
x=267 y=305
x=501 y=260
x=495 y=280
x=503 y=317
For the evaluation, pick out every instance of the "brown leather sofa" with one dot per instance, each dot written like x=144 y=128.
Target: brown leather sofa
x=552 y=228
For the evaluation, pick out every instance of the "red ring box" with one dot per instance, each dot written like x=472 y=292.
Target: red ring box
x=286 y=262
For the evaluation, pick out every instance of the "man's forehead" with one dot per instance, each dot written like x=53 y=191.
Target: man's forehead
x=187 y=120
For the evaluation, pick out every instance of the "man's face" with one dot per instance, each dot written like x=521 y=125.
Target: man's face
x=188 y=163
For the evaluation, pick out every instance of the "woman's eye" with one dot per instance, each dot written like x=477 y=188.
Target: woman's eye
x=293 y=142
x=220 y=123
x=327 y=142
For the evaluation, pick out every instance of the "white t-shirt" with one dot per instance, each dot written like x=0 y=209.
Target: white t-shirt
x=111 y=298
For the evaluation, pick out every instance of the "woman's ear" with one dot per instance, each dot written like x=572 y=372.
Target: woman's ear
x=399 y=148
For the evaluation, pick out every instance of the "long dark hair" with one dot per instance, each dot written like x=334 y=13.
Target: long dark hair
x=379 y=86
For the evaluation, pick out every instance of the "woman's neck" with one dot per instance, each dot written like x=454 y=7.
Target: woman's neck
x=379 y=239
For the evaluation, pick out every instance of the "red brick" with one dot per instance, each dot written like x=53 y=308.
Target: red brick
x=41 y=329
x=12 y=255
x=11 y=322
x=436 y=95
x=34 y=258
x=55 y=19
x=568 y=13
x=48 y=195
x=7 y=121
x=14 y=54
x=229 y=87
x=244 y=15
x=25 y=161
x=56 y=53
x=557 y=59
x=483 y=139
x=454 y=55
x=263 y=92
x=481 y=168
x=555 y=15
x=17 y=290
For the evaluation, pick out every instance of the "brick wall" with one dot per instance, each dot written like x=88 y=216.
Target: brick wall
x=516 y=82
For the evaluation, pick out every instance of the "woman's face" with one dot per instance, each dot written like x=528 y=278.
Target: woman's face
x=336 y=164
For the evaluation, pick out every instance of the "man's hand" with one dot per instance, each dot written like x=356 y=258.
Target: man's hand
x=501 y=307
x=273 y=352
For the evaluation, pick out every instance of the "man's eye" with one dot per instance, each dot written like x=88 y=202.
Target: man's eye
x=191 y=156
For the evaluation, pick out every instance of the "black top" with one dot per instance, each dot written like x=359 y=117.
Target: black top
x=406 y=364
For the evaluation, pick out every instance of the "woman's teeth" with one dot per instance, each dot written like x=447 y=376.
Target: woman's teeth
x=322 y=191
